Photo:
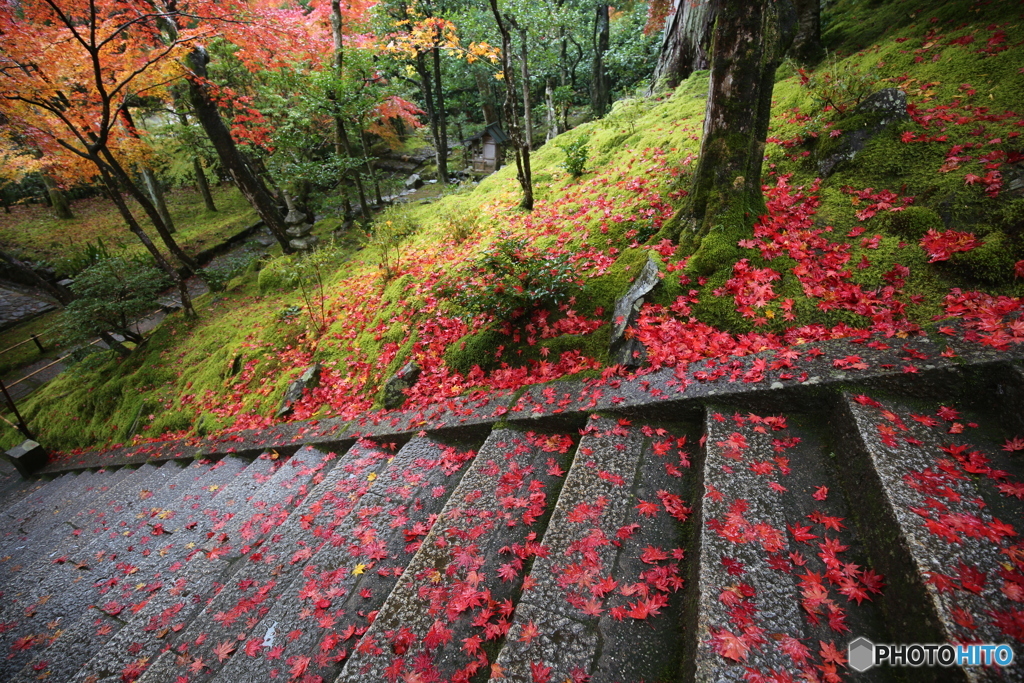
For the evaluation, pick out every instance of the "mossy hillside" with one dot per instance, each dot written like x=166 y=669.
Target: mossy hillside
x=640 y=159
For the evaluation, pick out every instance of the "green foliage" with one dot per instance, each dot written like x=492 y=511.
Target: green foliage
x=390 y=228
x=277 y=274
x=511 y=279
x=81 y=258
x=110 y=295
x=576 y=151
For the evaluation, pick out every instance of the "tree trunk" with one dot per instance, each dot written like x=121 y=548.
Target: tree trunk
x=725 y=197
x=522 y=151
x=57 y=199
x=684 y=44
x=600 y=97
x=227 y=151
x=114 y=345
x=442 y=120
x=61 y=295
x=806 y=46
x=552 y=115
x=371 y=173
x=524 y=65
x=342 y=146
x=156 y=194
x=486 y=97
x=115 y=196
x=121 y=175
x=204 y=187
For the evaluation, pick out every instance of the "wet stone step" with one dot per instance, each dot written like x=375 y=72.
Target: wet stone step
x=606 y=600
x=941 y=489
x=28 y=549
x=62 y=506
x=450 y=612
x=158 y=548
x=37 y=502
x=323 y=612
x=264 y=573
x=205 y=574
x=42 y=594
x=784 y=583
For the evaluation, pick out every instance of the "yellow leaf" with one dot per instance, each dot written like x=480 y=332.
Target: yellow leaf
x=360 y=568
x=372 y=476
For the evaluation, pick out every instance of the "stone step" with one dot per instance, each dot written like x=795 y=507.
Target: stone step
x=225 y=484
x=939 y=490
x=782 y=580
x=207 y=573
x=37 y=502
x=44 y=597
x=60 y=507
x=28 y=549
x=262 y=575
x=451 y=609
x=606 y=600
x=322 y=612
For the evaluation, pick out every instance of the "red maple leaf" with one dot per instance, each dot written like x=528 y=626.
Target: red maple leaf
x=224 y=650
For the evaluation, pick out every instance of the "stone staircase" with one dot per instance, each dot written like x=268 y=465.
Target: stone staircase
x=647 y=528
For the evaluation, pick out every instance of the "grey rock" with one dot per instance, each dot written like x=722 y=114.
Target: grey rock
x=394 y=390
x=295 y=217
x=27 y=457
x=300 y=230
x=414 y=182
x=630 y=352
x=310 y=379
x=304 y=243
x=889 y=104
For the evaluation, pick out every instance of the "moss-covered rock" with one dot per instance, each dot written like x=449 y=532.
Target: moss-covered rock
x=913 y=222
x=991 y=263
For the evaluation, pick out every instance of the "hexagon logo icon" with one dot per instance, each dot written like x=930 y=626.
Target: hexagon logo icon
x=861 y=654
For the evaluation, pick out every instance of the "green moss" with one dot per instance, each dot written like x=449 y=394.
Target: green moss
x=991 y=263
x=717 y=251
x=913 y=222
x=475 y=349
x=277 y=274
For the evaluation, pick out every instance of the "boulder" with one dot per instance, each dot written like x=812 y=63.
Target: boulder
x=628 y=351
x=875 y=114
x=413 y=182
x=310 y=379
x=394 y=390
x=304 y=243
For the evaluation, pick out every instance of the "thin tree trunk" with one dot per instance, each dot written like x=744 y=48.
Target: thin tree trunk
x=552 y=115
x=121 y=175
x=522 y=152
x=807 y=42
x=341 y=140
x=486 y=97
x=599 y=94
x=114 y=345
x=370 y=172
x=527 y=105
x=133 y=225
x=227 y=151
x=57 y=199
x=156 y=193
x=442 y=121
x=204 y=187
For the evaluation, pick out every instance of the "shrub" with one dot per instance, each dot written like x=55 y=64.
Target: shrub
x=511 y=279
x=577 y=151
x=110 y=295
x=839 y=86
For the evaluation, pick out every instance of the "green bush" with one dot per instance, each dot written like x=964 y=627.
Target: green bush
x=511 y=279
x=577 y=151
x=110 y=295
x=839 y=86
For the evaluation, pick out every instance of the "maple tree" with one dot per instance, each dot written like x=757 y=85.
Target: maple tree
x=68 y=72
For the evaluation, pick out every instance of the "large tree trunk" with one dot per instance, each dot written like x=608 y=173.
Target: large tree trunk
x=522 y=151
x=227 y=151
x=725 y=195
x=806 y=46
x=600 y=97
x=57 y=199
x=685 y=42
x=552 y=115
x=442 y=119
x=156 y=193
x=115 y=196
x=204 y=187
